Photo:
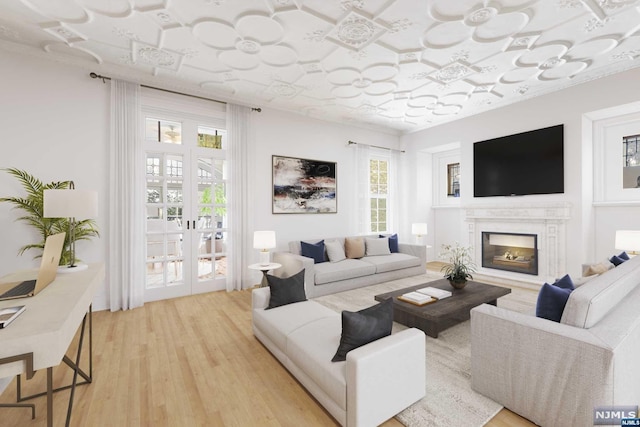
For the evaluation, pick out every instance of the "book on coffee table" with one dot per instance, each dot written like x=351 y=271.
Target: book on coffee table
x=435 y=292
x=417 y=298
x=8 y=314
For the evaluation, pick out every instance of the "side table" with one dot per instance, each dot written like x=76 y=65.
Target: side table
x=265 y=268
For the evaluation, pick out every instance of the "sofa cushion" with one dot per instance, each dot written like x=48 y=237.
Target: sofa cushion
x=335 y=250
x=347 y=269
x=313 y=250
x=376 y=246
x=354 y=247
x=393 y=242
x=551 y=302
x=363 y=327
x=286 y=290
x=311 y=347
x=276 y=324
x=592 y=301
x=392 y=262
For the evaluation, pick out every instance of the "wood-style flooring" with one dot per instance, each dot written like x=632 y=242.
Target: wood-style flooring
x=189 y=361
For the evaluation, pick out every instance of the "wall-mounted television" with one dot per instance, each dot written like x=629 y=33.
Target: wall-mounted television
x=515 y=165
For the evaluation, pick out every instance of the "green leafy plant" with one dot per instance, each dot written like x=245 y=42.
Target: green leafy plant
x=32 y=207
x=460 y=266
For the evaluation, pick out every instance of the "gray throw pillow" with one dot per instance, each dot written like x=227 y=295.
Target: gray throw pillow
x=335 y=251
x=375 y=247
x=363 y=327
x=286 y=290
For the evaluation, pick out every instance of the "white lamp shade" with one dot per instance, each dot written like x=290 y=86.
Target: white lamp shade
x=264 y=239
x=419 y=228
x=79 y=204
x=628 y=240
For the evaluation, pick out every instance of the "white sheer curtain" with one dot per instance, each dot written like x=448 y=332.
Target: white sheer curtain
x=126 y=198
x=238 y=250
x=393 y=191
x=363 y=153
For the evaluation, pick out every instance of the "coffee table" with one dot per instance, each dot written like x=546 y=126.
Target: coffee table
x=440 y=315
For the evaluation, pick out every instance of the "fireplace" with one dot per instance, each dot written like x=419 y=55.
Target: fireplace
x=510 y=252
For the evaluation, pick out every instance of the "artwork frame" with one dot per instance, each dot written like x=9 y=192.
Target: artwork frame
x=303 y=186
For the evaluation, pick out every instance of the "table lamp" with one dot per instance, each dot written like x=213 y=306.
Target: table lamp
x=628 y=241
x=264 y=240
x=75 y=205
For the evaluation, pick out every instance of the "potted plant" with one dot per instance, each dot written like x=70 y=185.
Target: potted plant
x=33 y=207
x=459 y=264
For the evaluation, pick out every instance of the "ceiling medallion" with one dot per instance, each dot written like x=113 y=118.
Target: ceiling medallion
x=551 y=63
x=614 y=4
x=156 y=56
x=248 y=46
x=452 y=72
x=361 y=83
x=481 y=16
x=356 y=31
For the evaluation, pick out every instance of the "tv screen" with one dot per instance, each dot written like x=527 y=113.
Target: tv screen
x=525 y=163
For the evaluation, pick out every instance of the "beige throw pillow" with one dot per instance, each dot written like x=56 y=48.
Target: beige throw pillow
x=599 y=268
x=354 y=247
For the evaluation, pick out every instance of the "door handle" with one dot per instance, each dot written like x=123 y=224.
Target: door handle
x=187 y=225
x=194 y=224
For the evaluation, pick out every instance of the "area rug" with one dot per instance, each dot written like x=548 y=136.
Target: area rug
x=449 y=399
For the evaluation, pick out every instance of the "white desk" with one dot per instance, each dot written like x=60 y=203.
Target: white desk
x=49 y=323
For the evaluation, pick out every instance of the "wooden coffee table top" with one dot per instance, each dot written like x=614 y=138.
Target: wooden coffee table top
x=460 y=301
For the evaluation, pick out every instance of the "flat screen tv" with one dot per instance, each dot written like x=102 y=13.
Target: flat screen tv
x=515 y=165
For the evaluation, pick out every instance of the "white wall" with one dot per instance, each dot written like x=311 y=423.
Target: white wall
x=567 y=106
x=55 y=125
x=284 y=134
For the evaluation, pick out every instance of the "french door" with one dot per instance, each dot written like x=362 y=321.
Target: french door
x=186 y=211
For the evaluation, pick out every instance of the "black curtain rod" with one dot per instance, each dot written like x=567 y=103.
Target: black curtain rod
x=375 y=146
x=105 y=78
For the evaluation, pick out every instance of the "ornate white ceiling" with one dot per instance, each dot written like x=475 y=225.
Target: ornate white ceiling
x=403 y=65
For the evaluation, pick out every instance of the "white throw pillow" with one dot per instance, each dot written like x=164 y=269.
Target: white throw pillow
x=375 y=247
x=335 y=251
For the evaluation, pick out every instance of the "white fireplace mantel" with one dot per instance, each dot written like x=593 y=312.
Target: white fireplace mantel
x=546 y=220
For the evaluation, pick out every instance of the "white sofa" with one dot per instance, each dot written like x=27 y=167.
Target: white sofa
x=555 y=374
x=377 y=380
x=332 y=277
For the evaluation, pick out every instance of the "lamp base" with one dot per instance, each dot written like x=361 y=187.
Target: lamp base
x=64 y=269
x=265 y=258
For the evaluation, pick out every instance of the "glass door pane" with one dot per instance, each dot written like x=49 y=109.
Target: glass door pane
x=165 y=245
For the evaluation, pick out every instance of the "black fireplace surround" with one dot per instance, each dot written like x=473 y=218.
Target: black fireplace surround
x=510 y=252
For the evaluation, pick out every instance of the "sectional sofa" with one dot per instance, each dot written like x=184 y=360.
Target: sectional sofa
x=330 y=277
x=376 y=381
x=555 y=374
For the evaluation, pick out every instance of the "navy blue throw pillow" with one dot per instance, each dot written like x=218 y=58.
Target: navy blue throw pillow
x=313 y=250
x=616 y=260
x=623 y=255
x=363 y=327
x=565 y=282
x=393 y=243
x=551 y=302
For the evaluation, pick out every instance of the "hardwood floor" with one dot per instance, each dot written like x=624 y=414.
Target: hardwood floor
x=189 y=361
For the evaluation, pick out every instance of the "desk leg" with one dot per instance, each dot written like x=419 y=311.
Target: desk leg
x=50 y=397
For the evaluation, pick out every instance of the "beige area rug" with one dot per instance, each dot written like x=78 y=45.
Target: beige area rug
x=449 y=399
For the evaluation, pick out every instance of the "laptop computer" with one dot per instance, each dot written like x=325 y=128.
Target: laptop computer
x=46 y=274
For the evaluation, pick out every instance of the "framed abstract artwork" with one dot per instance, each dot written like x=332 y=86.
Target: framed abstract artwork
x=303 y=186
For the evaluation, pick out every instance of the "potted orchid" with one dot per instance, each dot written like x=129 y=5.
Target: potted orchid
x=460 y=265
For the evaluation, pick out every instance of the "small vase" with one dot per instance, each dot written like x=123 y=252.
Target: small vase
x=458 y=284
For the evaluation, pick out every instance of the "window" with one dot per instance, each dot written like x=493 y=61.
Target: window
x=631 y=151
x=453 y=179
x=378 y=193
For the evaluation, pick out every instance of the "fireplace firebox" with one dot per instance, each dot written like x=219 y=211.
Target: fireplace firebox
x=510 y=251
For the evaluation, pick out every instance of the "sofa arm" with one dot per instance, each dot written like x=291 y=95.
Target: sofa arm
x=419 y=251
x=291 y=264
x=551 y=373
x=260 y=297
x=384 y=377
